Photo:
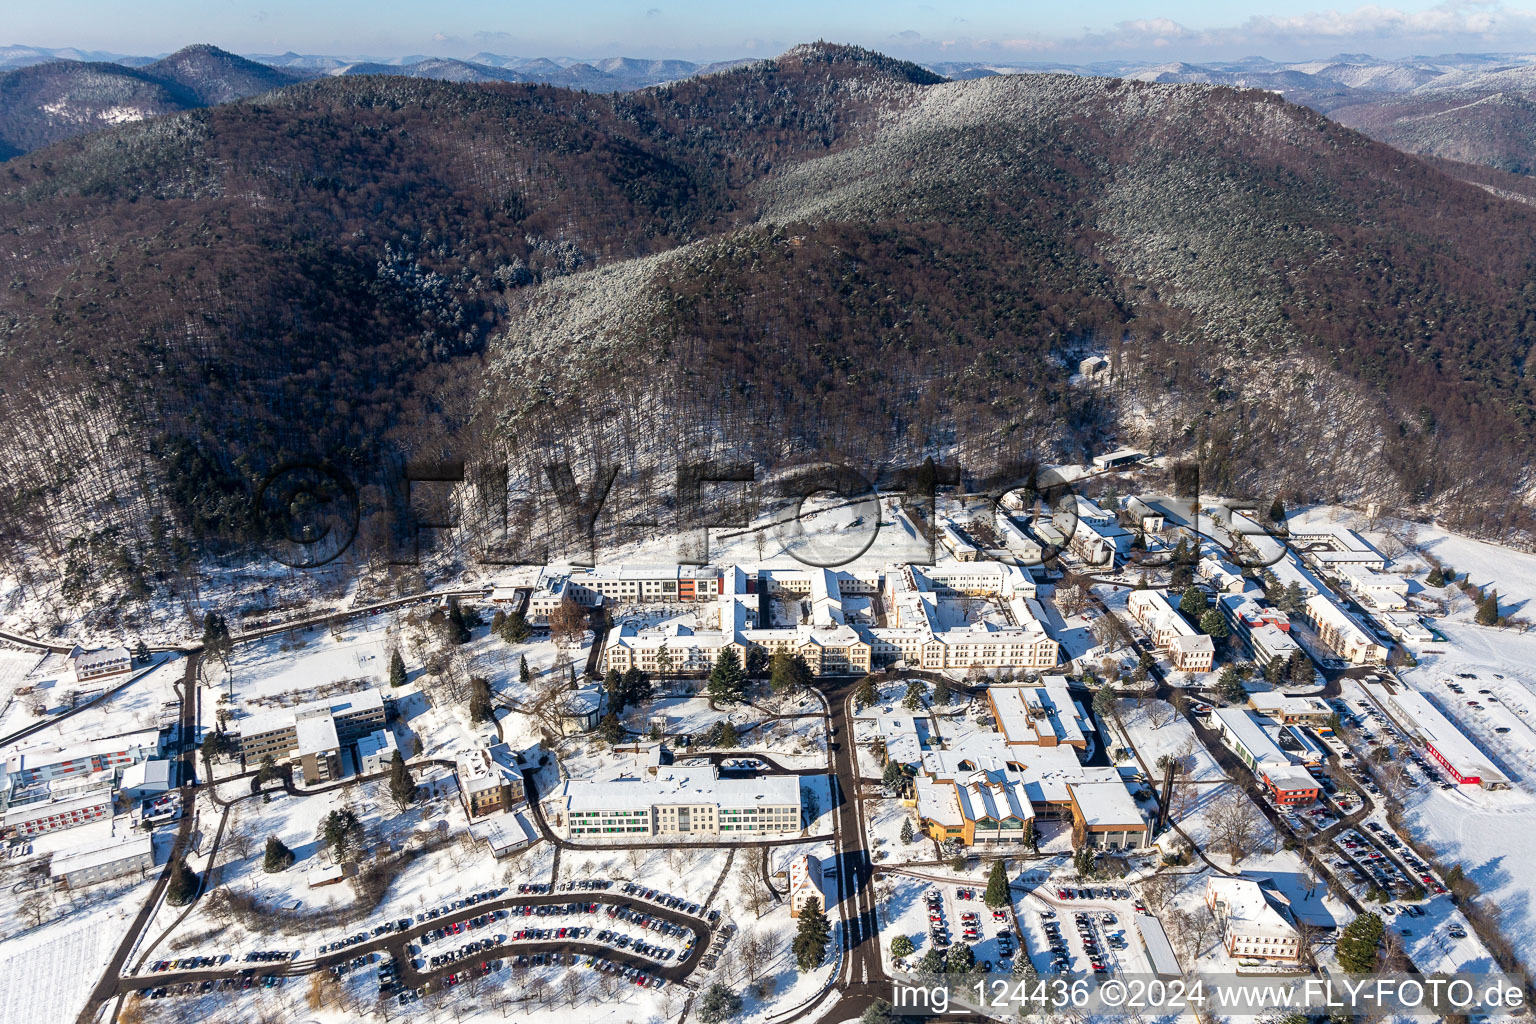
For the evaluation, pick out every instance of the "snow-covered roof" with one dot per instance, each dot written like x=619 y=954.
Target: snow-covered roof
x=153 y=776
x=672 y=785
x=316 y=733
x=139 y=844
x=1251 y=908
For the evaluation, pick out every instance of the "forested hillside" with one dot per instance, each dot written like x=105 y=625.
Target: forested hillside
x=829 y=253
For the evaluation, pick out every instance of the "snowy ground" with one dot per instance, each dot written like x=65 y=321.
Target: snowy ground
x=48 y=970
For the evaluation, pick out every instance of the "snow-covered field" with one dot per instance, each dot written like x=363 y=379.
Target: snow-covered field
x=48 y=971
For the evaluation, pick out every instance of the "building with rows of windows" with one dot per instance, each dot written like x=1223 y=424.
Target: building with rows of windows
x=672 y=800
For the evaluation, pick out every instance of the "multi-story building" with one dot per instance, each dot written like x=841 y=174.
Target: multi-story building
x=1339 y=630
x=317 y=748
x=134 y=855
x=806 y=884
x=1041 y=716
x=44 y=764
x=375 y=751
x=1255 y=919
x=94 y=666
x=1093 y=534
x=1188 y=649
x=1266 y=632
x=490 y=781
x=39 y=817
x=1245 y=735
x=275 y=733
x=672 y=800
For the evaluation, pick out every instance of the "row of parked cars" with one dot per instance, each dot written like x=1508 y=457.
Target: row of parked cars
x=667 y=900
x=245 y=980
x=190 y=963
x=464 y=952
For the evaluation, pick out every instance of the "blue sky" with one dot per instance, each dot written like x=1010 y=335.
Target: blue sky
x=1005 y=30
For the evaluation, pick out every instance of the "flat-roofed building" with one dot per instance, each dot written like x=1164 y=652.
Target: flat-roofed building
x=131 y=855
x=275 y=734
x=375 y=751
x=1288 y=710
x=674 y=800
x=43 y=816
x=1425 y=724
x=317 y=748
x=1043 y=715
x=44 y=764
x=1277 y=771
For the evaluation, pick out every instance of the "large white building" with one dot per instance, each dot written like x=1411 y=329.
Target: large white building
x=1255 y=919
x=133 y=855
x=1342 y=632
x=1188 y=648
x=920 y=629
x=675 y=800
x=1424 y=723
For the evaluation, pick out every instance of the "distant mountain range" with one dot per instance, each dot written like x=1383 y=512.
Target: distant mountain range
x=1476 y=108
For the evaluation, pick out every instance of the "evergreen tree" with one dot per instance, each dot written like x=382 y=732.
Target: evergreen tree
x=340 y=832
x=480 y=706
x=663 y=660
x=961 y=958
x=1358 y=943
x=788 y=673
x=1488 y=609
x=402 y=788
x=524 y=676
x=1435 y=578
x=727 y=683
x=1104 y=700
x=811 y=937
x=932 y=963
x=141 y=652
x=725 y=736
x=397 y=674
x=610 y=730
x=637 y=686
x=864 y=694
x=942 y=694
x=456 y=623
x=718 y=1005
x=1031 y=837
x=893 y=778
x=907 y=832
x=613 y=683
x=216 y=639
x=498 y=622
x=902 y=946
x=1294 y=598
x=212 y=747
x=1229 y=686
x=916 y=691
x=1300 y=670
x=996 y=894
x=757 y=661
x=182 y=886
x=1213 y=625
x=515 y=629
x=1277 y=511
x=879 y=1011
x=1193 y=603
x=277 y=858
